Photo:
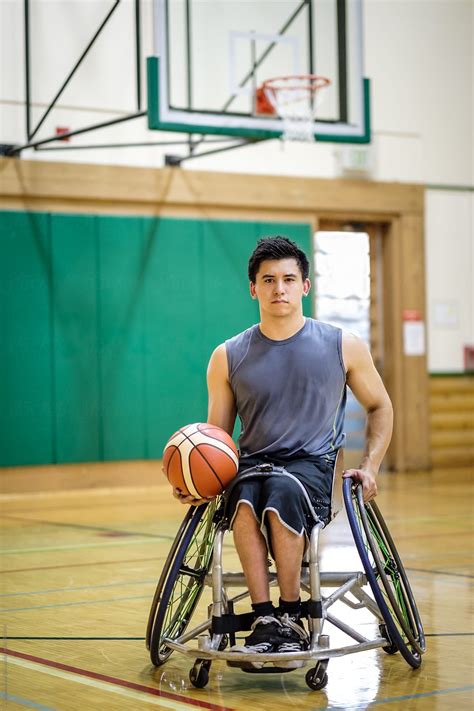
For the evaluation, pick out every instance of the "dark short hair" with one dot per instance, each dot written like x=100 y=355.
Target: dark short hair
x=276 y=247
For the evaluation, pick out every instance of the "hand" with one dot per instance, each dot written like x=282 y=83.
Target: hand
x=186 y=499
x=367 y=479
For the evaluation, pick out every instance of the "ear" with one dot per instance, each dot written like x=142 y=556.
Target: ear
x=253 y=293
x=306 y=287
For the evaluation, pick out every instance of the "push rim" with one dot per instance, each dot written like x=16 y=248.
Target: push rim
x=164 y=574
x=385 y=574
x=399 y=595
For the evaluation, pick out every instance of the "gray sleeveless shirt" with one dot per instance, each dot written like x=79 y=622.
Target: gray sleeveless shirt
x=290 y=394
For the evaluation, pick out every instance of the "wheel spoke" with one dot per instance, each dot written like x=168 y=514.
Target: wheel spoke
x=184 y=581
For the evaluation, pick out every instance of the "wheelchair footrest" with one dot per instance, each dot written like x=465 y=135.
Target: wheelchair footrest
x=266 y=670
x=250 y=669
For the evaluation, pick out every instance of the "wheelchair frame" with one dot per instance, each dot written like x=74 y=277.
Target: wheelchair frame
x=196 y=558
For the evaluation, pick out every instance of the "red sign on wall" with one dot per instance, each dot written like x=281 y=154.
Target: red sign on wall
x=412 y=315
x=469 y=357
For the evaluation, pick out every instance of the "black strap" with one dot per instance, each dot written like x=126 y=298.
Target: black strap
x=229 y=624
x=312 y=608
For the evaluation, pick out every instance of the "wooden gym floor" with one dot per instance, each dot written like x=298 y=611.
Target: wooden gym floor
x=79 y=569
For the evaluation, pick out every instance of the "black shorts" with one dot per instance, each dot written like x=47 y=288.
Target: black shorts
x=298 y=491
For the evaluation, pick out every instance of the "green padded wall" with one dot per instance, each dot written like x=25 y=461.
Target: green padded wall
x=108 y=324
x=26 y=357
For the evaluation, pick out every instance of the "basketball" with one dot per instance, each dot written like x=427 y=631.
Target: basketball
x=200 y=460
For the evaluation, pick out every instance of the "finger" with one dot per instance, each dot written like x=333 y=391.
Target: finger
x=370 y=494
x=355 y=474
x=195 y=502
x=350 y=473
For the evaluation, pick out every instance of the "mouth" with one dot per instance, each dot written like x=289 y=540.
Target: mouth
x=279 y=301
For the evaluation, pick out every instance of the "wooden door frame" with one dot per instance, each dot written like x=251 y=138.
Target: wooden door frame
x=405 y=377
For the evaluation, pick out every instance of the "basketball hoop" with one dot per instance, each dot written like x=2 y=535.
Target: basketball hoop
x=296 y=100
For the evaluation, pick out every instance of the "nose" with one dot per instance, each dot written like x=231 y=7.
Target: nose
x=279 y=287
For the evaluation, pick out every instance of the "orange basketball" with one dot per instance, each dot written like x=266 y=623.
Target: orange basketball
x=200 y=460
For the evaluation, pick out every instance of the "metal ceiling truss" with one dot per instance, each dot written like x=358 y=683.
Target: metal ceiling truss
x=174 y=160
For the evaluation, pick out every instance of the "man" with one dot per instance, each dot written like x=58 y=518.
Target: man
x=286 y=379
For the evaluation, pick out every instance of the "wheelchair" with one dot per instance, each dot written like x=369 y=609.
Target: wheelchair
x=196 y=561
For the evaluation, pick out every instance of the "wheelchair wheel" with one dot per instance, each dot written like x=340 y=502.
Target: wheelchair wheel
x=164 y=574
x=385 y=574
x=182 y=580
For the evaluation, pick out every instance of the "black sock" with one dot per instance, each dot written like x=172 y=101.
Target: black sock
x=262 y=609
x=292 y=608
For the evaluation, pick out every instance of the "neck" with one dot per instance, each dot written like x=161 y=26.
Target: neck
x=278 y=329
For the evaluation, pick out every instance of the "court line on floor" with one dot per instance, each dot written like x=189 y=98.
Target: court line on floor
x=440 y=572
x=106 y=504
x=422 y=695
x=83 y=565
x=449 y=582
x=105 y=682
x=24 y=702
x=26 y=593
x=75 y=546
x=433 y=534
x=449 y=634
x=73 y=604
x=87 y=527
x=142 y=639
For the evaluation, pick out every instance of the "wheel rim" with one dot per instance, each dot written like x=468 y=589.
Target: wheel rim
x=164 y=574
x=189 y=581
x=389 y=573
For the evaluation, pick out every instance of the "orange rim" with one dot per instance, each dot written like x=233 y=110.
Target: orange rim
x=315 y=83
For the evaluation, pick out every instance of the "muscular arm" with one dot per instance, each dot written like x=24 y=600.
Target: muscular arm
x=221 y=409
x=367 y=386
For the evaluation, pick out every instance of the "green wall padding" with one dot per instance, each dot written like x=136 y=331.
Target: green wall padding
x=75 y=337
x=108 y=324
x=26 y=370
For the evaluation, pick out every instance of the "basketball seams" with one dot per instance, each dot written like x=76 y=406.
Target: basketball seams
x=205 y=430
x=198 y=438
x=187 y=436
x=168 y=465
x=180 y=435
x=209 y=464
x=188 y=447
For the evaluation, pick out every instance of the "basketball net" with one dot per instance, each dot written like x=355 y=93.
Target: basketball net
x=296 y=100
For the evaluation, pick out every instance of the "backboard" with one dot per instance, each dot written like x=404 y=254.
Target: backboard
x=211 y=56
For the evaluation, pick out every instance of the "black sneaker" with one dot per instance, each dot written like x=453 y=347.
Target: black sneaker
x=265 y=638
x=293 y=639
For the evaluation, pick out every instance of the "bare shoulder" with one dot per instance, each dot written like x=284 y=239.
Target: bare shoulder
x=219 y=354
x=355 y=352
x=218 y=361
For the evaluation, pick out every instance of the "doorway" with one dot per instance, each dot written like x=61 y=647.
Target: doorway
x=348 y=270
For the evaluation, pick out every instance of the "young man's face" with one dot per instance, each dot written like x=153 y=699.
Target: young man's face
x=279 y=287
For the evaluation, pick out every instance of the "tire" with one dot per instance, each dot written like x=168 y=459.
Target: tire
x=199 y=674
x=317 y=678
x=385 y=574
x=164 y=574
x=182 y=580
